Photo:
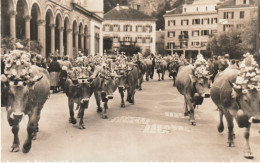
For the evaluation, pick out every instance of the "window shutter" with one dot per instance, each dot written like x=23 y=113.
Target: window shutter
x=131 y=28
x=151 y=40
x=192 y=21
x=181 y=22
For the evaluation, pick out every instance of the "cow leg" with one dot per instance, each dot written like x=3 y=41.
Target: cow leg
x=71 y=107
x=230 y=125
x=81 y=123
x=247 y=153
x=191 y=106
x=163 y=73
x=141 y=81
x=121 y=91
x=186 y=111
x=133 y=97
x=147 y=76
x=221 y=125
x=30 y=128
x=36 y=129
x=98 y=99
x=16 y=143
x=159 y=77
x=105 y=110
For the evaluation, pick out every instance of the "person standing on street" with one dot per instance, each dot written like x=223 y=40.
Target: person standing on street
x=54 y=70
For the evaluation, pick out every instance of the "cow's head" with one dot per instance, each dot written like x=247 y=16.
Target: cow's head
x=174 y=67
x=158 y=65
x=19 y=96
x=248 y=98
x=201 y=84
x=121 y=77
x=108 y=84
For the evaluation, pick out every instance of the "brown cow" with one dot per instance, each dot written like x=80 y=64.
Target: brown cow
x=26 y=97
x=193 y=88
x=243 y=105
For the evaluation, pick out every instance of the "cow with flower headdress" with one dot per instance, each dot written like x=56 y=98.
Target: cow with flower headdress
x=26 y=89
x=237 y=95
x=193 y=83
x=174 y=67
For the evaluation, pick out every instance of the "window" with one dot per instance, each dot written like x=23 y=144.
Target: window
x=203 y=44
x=139 y=39
x=228 y=15
x=184 y=44
x=107 y=27
x=205 y=21
x=127 y=28
x=148 y=28
x=242 y=14
x=170 y=45
x=111 y=28
x=115 y=39
x=244 y=1
x=171 y=34
x=206 y=8
x=184 y=10
x=138 y=7
x=171 y=22
x=116 y=28
x=139 y=28
x=197 y=9
x=196 y=21
x=195 y=44
x=226 y=27
x=148 y=39
x=195 y=33
x=240 y=26
x=204 y=32
x=184 y=22
x=127 y=39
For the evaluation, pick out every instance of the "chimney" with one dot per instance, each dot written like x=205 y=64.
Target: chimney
x=117 y=7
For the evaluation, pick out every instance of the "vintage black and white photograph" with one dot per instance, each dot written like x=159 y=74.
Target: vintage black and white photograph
x=130 y=81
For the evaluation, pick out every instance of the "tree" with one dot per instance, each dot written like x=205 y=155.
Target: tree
x=130 y=50
x=107 y=43
x=110 y=4
x=160 y=24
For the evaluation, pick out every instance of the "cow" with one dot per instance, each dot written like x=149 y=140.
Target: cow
x=109 y=84
x=149 y=67
x=173 y=70
x=128 y=80
x=79 y=90
x=26 y=97
x=161 y=67
x=193 y=88
x=243 y=105
x=142 y=69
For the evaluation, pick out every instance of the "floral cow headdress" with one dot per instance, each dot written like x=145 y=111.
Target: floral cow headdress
x=249 y=77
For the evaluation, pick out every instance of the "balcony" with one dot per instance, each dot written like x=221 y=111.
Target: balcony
x=183 y=37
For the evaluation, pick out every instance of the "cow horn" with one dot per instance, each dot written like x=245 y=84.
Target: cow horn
x=36 y=78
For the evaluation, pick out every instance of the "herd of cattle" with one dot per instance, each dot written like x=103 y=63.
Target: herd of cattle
x=25 y=88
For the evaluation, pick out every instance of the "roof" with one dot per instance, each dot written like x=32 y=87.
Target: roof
x=127 y=13
x=177 y=10
x=232 y=4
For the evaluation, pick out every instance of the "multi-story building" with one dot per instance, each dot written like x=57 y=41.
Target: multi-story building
x=61 y=25
x=235 y=14
x=127 y=26
x=189 y=27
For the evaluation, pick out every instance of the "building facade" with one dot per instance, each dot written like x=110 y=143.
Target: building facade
x=127 y=26
x=59 y=25
x=189 y=27
x=235 y=14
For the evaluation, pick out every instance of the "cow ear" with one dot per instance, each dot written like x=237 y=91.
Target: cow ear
x=192 y=78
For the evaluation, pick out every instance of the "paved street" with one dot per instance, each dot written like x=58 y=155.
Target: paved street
x=153 y=129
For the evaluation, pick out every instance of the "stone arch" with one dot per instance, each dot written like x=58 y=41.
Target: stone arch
x=49 y=31
x=80 y=37
x=22 y=20
x=58 y=33
x=35 y=17
x=86 y=41
x=7 y=18
x=65 y=35
x=75 y=34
